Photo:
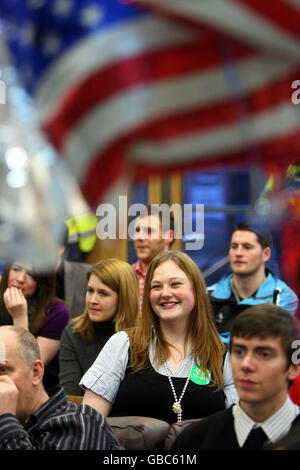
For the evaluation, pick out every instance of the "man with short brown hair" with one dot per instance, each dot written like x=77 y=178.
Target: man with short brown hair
x=263 y=368
x=151 y=238
x=250 y=282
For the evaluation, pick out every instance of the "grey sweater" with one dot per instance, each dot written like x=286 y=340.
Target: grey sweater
x=77 y=355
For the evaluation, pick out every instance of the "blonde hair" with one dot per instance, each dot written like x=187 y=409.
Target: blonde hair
x=121 y=278
x=208 y=348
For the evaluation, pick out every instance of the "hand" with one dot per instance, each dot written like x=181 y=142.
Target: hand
x=16 y=305
x=9 y=395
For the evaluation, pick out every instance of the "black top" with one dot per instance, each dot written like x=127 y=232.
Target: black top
x=77 y=355
x=148 y=393
x=225 y=311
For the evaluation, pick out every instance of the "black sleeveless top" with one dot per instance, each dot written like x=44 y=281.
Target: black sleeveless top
x=148 y=393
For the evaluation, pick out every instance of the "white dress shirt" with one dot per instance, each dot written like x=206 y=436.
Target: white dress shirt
x=275 y=427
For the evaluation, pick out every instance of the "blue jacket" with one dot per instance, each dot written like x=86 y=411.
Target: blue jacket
x=225 y=308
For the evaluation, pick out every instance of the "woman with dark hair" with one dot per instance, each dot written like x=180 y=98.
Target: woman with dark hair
x=27 y=299
x=173 y=364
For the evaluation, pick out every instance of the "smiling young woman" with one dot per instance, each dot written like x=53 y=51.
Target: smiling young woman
x=172 y=365
x=171 y=294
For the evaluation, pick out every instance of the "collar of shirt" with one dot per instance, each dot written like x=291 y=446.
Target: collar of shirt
x=138 y=268
x=275 y=427
x=182 y=370
x=56 y=399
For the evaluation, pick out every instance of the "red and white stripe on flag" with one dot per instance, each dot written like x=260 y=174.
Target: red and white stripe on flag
x=193 y=84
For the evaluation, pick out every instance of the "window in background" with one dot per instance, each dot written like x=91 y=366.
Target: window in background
x=228 y=196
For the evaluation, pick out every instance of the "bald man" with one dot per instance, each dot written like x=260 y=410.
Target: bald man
x=30 y=419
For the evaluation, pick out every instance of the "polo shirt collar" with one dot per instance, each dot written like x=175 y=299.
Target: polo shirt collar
x=138 y=268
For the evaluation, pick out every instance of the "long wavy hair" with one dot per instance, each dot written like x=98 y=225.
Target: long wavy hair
x=119 y=276
x=208 y=348
x=38 y=302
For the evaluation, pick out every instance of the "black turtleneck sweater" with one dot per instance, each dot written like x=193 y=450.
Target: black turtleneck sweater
x=77 y=355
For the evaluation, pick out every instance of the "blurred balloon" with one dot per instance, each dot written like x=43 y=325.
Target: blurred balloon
x=37 y=192
x=280 y=198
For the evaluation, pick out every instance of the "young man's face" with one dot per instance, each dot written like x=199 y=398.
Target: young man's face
x=260 y=371
x=246 y=254
x=148 y=240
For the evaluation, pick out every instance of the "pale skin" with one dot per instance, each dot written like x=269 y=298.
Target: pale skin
x=247 y=259
x=172 y=299
x=148 y=240
x=101 y=300
x=20 y=287
x=21 y=390
x=8 y=396
x=261 y=375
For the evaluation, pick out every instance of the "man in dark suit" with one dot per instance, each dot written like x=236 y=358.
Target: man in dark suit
x=264 y=364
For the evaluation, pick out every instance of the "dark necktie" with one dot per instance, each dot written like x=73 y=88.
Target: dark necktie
x=256 y=439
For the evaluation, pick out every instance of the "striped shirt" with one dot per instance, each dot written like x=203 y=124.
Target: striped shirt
x=141 y=276
x=58 y=425
x=275 y=427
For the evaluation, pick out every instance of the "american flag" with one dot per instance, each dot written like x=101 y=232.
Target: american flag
x=125 y=87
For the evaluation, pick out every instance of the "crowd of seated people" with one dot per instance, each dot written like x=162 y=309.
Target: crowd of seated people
x=172 y=358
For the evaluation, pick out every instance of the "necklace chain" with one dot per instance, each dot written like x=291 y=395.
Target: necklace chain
x=176 y=405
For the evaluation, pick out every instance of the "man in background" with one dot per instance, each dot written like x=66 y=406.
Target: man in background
x=250 y=282
x=151 y=238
